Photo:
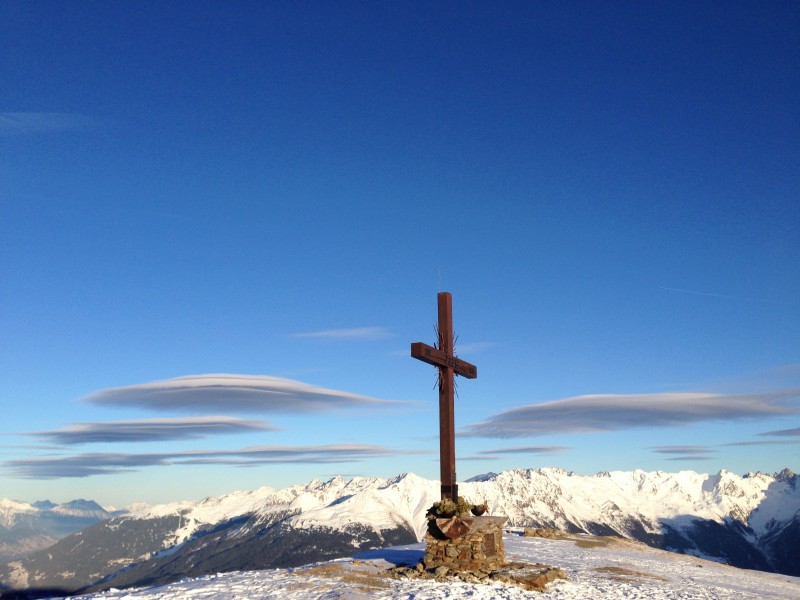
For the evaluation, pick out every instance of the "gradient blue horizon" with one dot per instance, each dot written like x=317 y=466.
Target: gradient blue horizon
x=609 y=191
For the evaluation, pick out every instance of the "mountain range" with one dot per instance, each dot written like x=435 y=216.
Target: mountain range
x=25 y=528
x=750 y=521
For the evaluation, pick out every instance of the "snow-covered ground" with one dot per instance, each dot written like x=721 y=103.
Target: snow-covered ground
x=595 y=567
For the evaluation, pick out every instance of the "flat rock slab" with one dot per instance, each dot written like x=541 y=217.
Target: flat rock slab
x=531 y=577
x=455 y=527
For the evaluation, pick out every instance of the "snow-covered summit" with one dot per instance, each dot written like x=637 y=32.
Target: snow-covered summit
x=85 y=508
x=12 y=511
x=27 y=527
x=562 y=498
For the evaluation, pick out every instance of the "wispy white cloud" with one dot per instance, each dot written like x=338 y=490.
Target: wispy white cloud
x=21 y=123
x=89 y=464
x=356 y=333
x=691 y=457
x=682 y=450
x=149 y=430
x=525 y=450
x=226 y=392
x=780 y=433
x=765 y=443
x=611 y=412
x=783 y=432
x=688 y=453
x=81 y=465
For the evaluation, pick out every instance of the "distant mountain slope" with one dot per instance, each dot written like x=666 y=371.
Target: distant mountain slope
x=25 y=528
x=751 y=521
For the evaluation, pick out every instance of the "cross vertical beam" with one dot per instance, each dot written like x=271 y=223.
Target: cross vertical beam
x=447 y=426
x=449 y=365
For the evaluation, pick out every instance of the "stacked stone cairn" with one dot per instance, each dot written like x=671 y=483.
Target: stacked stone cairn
x=470 y=548
x=476 y=546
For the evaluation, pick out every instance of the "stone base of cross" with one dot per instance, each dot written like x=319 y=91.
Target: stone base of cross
x=442 y=357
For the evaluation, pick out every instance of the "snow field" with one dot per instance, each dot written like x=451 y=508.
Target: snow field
x=597 y=568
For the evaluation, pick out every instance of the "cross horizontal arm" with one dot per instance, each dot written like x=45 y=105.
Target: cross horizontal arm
x=437 y=358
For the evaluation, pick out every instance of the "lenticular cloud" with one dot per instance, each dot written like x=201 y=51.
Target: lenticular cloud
x=109 y=463
x=612 y=412
x=246 y=393
x=151 y=430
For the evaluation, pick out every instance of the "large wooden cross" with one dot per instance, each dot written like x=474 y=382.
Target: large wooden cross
x=449 y=365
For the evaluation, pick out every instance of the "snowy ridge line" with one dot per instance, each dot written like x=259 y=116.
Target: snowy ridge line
x=526 y=496
x=337 y=503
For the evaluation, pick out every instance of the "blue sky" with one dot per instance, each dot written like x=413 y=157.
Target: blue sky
x=222 y=226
